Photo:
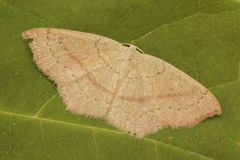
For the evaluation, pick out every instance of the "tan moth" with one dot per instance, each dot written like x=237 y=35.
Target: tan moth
x=102 y=78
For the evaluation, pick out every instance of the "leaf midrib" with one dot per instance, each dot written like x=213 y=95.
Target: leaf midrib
x=36 y=117
x=33 y=117
x=104 y=129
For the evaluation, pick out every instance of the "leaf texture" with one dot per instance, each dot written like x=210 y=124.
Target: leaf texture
x=201 y=37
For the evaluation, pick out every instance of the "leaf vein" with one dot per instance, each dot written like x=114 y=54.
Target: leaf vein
x=44 y=105
x=173 y=22
x=225 y=83
x=41 y=130
x=161 y=26
x=155 y=150
x=96 y=128
x=26 y=12
x=95 y=144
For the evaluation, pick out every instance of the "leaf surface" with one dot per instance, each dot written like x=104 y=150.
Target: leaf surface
x=201 y=37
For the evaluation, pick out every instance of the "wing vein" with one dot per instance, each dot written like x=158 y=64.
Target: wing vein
x=118 y=86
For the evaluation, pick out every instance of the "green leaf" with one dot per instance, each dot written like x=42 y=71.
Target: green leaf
x=201 y=37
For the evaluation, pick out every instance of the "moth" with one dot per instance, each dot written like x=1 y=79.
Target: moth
x=99 y=77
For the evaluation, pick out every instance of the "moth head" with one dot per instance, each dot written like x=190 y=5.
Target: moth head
x=133 y=47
